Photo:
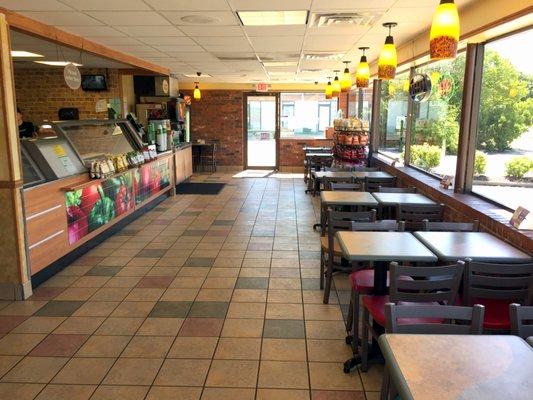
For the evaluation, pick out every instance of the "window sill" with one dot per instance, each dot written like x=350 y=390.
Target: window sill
x=461 y=206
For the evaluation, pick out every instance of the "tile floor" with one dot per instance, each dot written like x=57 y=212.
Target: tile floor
x=204 y=297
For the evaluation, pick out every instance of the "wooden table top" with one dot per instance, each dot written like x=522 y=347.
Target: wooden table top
x=391 y=199
x=349 y=198
x=459 y=367
x=383 y=246
x=479 y=246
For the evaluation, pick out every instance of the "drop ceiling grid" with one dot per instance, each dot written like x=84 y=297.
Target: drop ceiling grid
x=151 y=29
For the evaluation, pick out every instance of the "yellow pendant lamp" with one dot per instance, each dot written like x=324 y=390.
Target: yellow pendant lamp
x=336 y=84
x=197 y=95
x=329 y=89
x=388 y=59
x=362 y=74
x=445 y=31
x=346 y=80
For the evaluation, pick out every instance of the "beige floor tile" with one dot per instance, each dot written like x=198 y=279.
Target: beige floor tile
x=145 y=294
x=328 y=350
x=120 y=392
x=223 y=295
x=282 y=394
x=35 y=370
x=133 y=271
x=256 y=263
x=249 y=295
x=284 y=296
x=254 y=272
x=79 y=325
x=246 y=310
x=133 y=371
x=110 y=294
x=148 y=347
x=139 y=309
x=182 y=372
x=219 y=283
x=325 y=329
x=372 y=378
x=119 y=326
x=20 y=391
x=242 y=328
x=74 y=293
x=96 y=309
x=91 y=281
x=7 y=362
x=180 y=294
x=187 y=282
x=160 y=327
x=84 y=371
x=103 y=346
x=228 y=394
x=284 y=311
x=284 y=283
x=19 y=344
x=193 y=347
x=283 y=350
x=322 y=312
x=71 y=392
x=223 y=272
x=373 y=395
x=38 y=325
x=233 y=373
x=317 y=297
x=238 y=349
x=283 y=374
x=329 y=376
x=194 y=271
x=174 y=393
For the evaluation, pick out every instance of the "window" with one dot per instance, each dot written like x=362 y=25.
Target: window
x=435 y=125
x=503 y=168
x=260 y=115
x=306 y=115
x=393 y=115
x=366 y=114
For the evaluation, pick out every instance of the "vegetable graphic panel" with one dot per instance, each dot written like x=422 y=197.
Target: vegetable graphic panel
x=151 y=179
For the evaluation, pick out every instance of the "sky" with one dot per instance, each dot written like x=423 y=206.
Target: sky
x=516 y=49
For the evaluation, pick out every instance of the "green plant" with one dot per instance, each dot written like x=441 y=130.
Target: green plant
x=480 y=163
x=518 y=167
x=425 y=156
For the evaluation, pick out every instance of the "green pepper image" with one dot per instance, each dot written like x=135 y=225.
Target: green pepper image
x=102 y=212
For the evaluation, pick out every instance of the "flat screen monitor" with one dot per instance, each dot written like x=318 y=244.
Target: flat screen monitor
x=93 y=82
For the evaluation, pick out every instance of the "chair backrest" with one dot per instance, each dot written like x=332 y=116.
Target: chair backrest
x=355 y=186
x=426 y=284
x=513 y=282
x=363 y=169
x=413 y=215
x=377 y=226
x=342 y=221
x=450 y=226
x=386 y=189
x=373 y=184
x=328 y=181
x=521 y=320
x=437 y=319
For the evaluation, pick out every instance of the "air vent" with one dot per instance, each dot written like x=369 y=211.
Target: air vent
x=364 y=19
x=235 y=57
x=323 y=56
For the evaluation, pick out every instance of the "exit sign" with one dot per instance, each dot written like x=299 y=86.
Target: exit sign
x=261 y=87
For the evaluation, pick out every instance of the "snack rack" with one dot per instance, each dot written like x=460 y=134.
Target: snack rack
x=350 y=139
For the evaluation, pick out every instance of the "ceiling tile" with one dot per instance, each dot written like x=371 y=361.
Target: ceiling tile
x=280 y=43
x=192 y=5
x=230 y=30
x=336 y=30
x=329 y=43
x=32 y=5
x=279 y=56
x=177 y=48
x=218 y=17
x=285 y=30
x=102 y=5
x=93 y=31
x=146 y=31
x=270 y=5
x=336 y=5
x=222 y=41
x=191 y=57
x=62 y=18
x=130 y=18
x=167 y=40
x=113 y=41
x=232 y=48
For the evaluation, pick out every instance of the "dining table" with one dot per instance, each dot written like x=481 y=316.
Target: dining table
x=458 y=367
x=389 y=201
x=479 y=246
x=342 y=198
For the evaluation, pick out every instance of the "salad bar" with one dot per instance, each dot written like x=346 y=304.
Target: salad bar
x=65 y=207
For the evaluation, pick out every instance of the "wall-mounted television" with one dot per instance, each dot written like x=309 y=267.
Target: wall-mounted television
x=93 y=83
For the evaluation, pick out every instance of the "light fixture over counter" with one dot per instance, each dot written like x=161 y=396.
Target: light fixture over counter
x=346 y=80
x=336 y=85
x=197 y=95
x=388 y=59
x=362 y=74
x=329 y=89
x=445 y=31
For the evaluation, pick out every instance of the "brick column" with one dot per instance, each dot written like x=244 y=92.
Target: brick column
x=14 y=272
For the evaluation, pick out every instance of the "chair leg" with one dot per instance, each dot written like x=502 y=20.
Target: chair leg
x=329 y=278
x=355 y=323
x=349 y=317
x=364 y=340
x=322 y=262
x=385 y=385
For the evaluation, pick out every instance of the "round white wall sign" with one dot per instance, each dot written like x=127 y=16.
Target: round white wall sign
x=72 y=76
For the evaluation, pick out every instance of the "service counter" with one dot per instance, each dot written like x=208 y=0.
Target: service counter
x=65 y=212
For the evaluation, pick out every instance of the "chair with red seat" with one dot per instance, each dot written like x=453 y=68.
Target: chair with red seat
x=496 y=286
x=330 y=247
x=426 y=286
x=362 y=281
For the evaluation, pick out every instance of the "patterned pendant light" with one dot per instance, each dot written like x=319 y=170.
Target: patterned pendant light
x=388 y=60
x=346 y=80
x=362 y=74
x=445 y=31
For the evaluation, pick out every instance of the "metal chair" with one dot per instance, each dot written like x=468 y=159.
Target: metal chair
x=450 y=226
x=352 y=186
x=373 y=184
x=426 y=285
x=496 y=286
x=329 y=246
x=386 y=189
x=413 y=215
x=521 y=320
x=208 y=157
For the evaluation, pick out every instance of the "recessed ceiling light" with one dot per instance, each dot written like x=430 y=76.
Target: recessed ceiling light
x=58 y=63
x=204 y=75
x=22 y=53
x=280 y=63
x=269 y=18
x=323 y=56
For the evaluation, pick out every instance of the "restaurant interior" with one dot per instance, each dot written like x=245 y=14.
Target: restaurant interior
x=283 y=200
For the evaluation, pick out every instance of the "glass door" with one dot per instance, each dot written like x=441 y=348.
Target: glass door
x=261 y=131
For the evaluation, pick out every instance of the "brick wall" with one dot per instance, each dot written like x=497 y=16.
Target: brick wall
x=218 y=116
x=41 y=92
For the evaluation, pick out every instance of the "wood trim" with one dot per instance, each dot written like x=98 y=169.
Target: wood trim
x=11 y=184
x=50 y=33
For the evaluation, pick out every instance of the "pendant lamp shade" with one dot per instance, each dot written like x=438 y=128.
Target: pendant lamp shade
x=362 y=74
x=346 y=81
x=445 y=31
x=197 y=94
x=336 y=85
x=388 y=59
x=329 y=90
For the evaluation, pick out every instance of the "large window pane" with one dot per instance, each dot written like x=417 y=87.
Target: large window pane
x=504 y=157
x=435 y=128
x=393 y=115
x=306 y=115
